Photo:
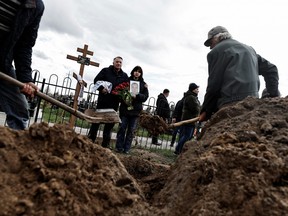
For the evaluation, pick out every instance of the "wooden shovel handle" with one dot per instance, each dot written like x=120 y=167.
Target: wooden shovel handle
x=180 y=123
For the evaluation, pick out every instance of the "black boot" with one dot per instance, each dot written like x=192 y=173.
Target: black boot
x=106 y=142
x=107 y=133
x=154 y=140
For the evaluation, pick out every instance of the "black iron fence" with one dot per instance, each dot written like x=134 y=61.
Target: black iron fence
x=43 y=111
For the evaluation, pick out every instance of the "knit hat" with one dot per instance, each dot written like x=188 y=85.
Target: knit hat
x=193 y=86
x=214 y=31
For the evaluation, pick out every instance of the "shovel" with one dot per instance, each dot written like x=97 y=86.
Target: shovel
x=103 y=116
x=180 y=123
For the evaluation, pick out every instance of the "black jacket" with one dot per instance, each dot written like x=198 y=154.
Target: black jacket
x=109 y=74
x=162 y=107
x=191 y=106
x=177 y=113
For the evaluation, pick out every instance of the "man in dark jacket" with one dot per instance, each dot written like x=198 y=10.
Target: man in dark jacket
x=19 y=23
x=162 y=110
x=115 y=76
x=234 y=70
x=191 y=109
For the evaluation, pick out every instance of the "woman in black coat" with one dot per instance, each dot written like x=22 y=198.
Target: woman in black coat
x=129 y=114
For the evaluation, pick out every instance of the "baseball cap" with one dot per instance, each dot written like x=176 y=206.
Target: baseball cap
x=214 y=31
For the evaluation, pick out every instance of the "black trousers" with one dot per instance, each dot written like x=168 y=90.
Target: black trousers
x=107 y=132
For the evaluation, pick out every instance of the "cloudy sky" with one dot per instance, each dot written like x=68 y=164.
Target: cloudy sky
x=164 y=37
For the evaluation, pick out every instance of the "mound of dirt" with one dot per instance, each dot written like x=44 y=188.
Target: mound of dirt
x=237 y=167
x=54 y=171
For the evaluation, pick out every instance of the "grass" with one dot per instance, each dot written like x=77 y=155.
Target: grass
x=161 y=156
x=59 y=115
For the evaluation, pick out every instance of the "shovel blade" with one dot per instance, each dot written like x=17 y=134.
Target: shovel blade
x=102 y=115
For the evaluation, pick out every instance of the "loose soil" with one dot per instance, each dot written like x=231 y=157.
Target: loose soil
x=238 y=166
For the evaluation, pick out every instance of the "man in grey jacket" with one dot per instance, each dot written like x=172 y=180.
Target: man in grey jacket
x=234 y=70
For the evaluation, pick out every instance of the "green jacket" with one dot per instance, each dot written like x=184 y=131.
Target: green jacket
x=191 y=106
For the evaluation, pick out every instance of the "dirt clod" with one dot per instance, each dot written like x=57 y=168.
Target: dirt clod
x=154 y=124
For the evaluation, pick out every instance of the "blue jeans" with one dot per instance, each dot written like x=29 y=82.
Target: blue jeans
x=185 y=135
x=126 y=132
x=15 y=105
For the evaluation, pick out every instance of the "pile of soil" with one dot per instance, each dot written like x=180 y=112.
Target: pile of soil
x=154 y=124
x=237 y=167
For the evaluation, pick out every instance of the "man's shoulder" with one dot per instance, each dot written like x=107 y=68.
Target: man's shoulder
x=161 y=97
x=124 y=73
x=229 y=43
x=106 y=68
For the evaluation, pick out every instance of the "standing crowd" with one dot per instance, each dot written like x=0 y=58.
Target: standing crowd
x=233 y=69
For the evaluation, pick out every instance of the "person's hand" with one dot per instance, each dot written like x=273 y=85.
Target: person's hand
x=202 y=117
x=173 y=120
x=29 y=89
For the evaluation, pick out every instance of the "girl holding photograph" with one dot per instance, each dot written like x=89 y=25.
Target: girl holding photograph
x=129 y=117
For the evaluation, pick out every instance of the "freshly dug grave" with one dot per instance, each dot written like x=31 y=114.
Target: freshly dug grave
x=238 y=167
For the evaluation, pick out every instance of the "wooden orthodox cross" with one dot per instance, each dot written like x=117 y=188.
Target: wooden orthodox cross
x=82 y=60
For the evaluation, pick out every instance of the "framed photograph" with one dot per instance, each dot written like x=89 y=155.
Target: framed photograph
x=134 y=87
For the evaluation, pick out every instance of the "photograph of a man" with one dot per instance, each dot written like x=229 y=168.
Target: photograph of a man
x=134 y=87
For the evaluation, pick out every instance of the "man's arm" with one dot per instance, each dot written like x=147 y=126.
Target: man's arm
x=270 y=73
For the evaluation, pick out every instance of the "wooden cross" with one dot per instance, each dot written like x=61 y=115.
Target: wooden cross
x=83 y=60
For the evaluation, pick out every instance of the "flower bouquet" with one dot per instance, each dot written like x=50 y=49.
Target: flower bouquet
x=123 y=91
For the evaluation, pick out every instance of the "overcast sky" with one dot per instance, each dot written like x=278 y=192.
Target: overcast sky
x=164 y=37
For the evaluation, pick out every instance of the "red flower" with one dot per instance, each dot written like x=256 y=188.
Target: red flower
x=123 y=91
x=121 y=87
